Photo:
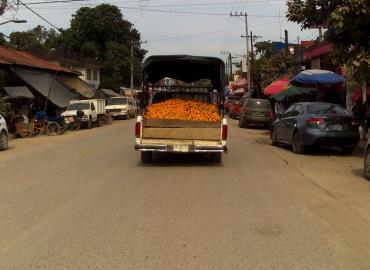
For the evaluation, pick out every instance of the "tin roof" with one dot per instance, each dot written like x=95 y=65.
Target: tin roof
x=10 y=56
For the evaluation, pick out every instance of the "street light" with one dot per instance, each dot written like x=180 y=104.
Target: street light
x=14 y=21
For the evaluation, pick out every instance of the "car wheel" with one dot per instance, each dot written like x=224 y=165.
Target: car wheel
x=274 y=141
x=146 y=157
x=367 y=164
x=241 y=122
x=348 y=150
x=298 y=148
x=3 y=141
x=216 y=157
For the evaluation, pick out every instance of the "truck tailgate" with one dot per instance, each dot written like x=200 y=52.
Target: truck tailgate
x=181 y=130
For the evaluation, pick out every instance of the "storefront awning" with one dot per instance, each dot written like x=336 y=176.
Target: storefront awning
x=18 y=92
x=79 y=85
x=46 y=84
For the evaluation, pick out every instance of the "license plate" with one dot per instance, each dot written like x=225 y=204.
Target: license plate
x=335 y=128
x=181 y=148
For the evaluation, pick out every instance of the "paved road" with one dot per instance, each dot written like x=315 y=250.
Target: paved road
x=84 y=201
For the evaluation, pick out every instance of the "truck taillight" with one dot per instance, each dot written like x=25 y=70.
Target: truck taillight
x=137 y=129
x=224 y=132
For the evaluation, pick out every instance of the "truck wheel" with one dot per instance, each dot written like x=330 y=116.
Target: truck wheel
x=3 y=141
x=216 y=157
x=89 y=124
x=100 y=121
x=146 y=157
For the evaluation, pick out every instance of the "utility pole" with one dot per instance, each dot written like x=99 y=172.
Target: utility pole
x=286 y=42
x=230 y=67
x=245 y=15
x=132 y=62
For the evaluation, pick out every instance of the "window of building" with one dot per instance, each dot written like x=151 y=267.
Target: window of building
x=95 y=75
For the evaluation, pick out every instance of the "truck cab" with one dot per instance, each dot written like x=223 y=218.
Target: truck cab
x=93 y=110
x=177 y=135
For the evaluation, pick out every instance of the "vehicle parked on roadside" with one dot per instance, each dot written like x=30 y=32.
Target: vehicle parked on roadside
x=316 y=124
x=93 y=109
x=3 y=134
x=229 y=100
x=121 y=107
x=234 y=108
x=256 y=112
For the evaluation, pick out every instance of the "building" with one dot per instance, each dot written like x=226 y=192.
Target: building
x=88 y=68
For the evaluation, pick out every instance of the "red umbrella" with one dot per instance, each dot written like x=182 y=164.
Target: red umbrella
x=276 y=87
x=240 y=84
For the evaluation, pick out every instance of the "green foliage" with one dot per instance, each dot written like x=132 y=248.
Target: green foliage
x=4 y=107
x=102 y=33
x=348 y=23
x=310 y=13
x=37 y=39
x=269 y=67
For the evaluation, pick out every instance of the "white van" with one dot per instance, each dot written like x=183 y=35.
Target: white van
x=121 y=107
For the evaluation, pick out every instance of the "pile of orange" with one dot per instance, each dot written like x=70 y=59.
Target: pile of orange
x=180 y=109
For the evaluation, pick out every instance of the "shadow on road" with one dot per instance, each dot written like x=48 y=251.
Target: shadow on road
x=180 y=160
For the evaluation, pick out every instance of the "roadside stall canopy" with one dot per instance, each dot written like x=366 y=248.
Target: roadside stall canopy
x=292 y=91
x=276 y=87
x=316 y=76
x=185 y=68
x=242 y=84
x=76 y=83
x=46 y=84
x=18 y=92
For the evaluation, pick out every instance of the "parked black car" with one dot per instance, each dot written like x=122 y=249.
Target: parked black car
x=316 y=123
x=256 y=111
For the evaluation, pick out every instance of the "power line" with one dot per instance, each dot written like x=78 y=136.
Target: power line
x=57 y=1
x=193 y=13
x=38 y=15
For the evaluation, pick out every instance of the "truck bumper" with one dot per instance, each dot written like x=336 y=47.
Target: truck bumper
x=172 y=148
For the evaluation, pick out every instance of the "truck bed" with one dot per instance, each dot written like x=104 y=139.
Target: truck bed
x=181 y=130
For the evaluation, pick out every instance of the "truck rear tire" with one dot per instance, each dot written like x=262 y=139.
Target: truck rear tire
x=146 y=157
x=216 y=157
x=89 y=124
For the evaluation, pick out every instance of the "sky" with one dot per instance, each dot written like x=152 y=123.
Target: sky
x=197 y=27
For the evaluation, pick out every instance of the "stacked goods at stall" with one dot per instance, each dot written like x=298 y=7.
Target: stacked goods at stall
x=179 y=109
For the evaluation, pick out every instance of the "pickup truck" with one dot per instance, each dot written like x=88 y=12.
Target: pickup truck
x=93 y=111
x=182 y=136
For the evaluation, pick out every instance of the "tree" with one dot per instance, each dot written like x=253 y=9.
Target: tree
x=268 y=66
x=309 y=13
x=348 y=23
x=102 y=33
x=37 y=39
